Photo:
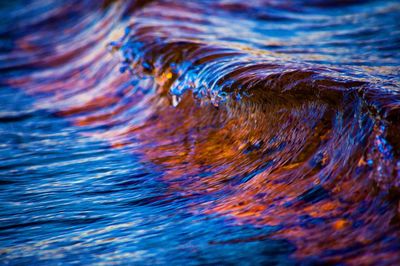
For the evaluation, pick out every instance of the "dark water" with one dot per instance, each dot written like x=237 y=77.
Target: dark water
x=200 y=132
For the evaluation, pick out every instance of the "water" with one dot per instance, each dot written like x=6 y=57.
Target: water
x=200 y=132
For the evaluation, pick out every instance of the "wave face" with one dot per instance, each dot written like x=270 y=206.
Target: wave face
x=200 y=132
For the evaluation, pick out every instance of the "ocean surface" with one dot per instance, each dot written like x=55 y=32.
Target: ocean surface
x=225 y=132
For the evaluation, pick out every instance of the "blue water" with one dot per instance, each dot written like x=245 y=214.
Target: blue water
x=199 y=132
x=67 y=199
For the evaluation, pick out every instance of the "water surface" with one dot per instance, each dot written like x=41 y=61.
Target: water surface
x=200 y=132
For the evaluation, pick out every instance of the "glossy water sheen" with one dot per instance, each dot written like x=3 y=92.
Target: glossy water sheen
x=200 y=132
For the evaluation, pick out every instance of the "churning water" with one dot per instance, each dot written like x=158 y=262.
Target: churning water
x=200 y=132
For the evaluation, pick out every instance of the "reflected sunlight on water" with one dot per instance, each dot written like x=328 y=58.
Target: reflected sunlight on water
x=200 y=132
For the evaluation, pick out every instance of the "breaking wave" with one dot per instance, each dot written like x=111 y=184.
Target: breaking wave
x=279 y=114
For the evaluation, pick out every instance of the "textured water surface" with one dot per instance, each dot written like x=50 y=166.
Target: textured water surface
x=200 y=132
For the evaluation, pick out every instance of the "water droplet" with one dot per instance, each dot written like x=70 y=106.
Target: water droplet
x=176 y=100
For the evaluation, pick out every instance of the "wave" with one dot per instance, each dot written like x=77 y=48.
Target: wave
x=276 y=114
